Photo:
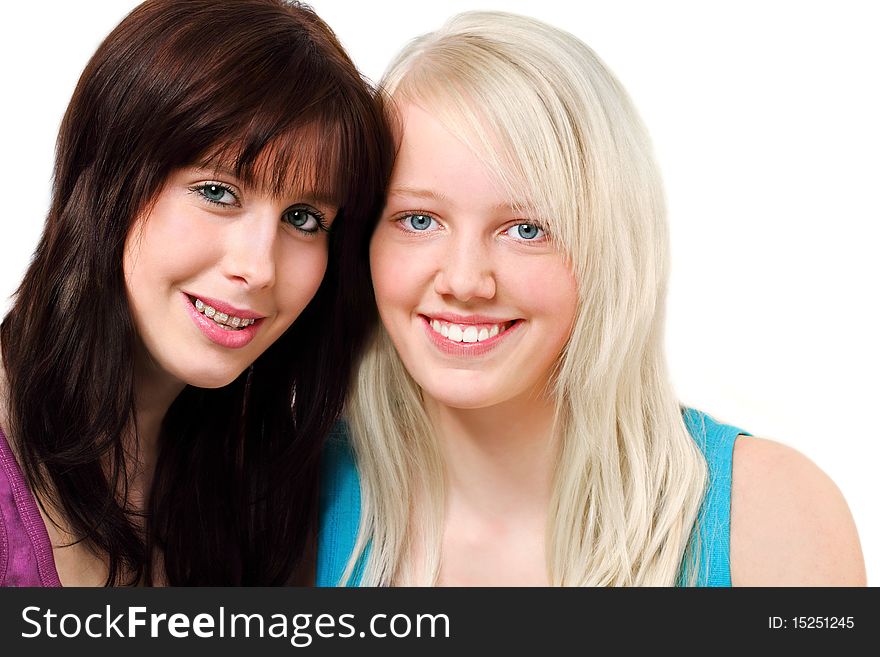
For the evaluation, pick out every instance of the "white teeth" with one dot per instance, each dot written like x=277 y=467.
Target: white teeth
x=467 y=333
x=222 y=319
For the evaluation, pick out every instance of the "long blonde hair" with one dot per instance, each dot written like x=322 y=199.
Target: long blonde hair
x=629 y=479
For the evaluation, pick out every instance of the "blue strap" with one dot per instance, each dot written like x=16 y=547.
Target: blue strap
x=713 y=522
x=339 y=511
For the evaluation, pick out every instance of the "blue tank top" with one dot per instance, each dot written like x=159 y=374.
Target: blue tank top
x=340 y=504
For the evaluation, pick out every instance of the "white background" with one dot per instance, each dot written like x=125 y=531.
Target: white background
x=764 y=117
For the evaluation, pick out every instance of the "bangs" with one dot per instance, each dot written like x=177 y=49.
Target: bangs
x=304 y=159
x=531 y=117
x=268 y=102
x=528 y=154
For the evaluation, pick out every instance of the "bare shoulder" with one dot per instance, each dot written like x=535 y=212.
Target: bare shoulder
x=789 y=523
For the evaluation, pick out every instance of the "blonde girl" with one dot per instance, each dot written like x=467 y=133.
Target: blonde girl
x=512 y=422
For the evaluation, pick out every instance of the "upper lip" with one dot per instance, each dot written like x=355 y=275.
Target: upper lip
x=455 y=318
x=224 y=307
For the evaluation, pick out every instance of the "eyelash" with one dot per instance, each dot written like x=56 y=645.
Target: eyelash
x=320 y=219
x=415 y=213
x=201 y=187
x=317 y=214
x=537 y=240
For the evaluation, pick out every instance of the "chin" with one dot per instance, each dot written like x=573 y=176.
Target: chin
x=210 y=378
x=465 y=404
x=456 y=397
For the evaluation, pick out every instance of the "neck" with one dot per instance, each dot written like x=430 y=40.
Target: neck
x=499 y=460
x=154 y=392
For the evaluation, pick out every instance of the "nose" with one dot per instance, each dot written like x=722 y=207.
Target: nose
x=251 y=249
x=466 y=272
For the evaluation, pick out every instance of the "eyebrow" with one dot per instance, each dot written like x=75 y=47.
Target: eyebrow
x=432 y=195
x=419 y=193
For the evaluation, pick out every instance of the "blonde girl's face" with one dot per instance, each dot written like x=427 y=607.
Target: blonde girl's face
x=477 y=301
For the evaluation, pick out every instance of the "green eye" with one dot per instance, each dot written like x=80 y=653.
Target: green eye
x=216 y=193
x=307 y=220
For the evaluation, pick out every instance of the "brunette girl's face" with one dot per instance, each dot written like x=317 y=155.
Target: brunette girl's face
x=217 y=270
x=477 y=301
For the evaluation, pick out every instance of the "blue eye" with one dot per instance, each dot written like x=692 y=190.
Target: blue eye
x=418 y=222
x=216 y=193
x=527 y=232
x=305 y=219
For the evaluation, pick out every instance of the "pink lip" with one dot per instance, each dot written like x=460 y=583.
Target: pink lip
x=454 y=318
x=212 y=330
x=467 y=349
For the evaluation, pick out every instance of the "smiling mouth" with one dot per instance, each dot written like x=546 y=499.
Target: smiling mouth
x=468 y=333
x=225 y=321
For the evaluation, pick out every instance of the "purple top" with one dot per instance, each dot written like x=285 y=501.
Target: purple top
x=25 y=551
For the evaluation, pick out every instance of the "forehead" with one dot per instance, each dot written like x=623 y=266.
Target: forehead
x=434 y=164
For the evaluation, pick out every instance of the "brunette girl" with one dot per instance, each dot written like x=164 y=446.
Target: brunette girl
x=182 y=339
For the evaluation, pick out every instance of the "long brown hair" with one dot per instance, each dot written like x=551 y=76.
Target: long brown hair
x=264 y=86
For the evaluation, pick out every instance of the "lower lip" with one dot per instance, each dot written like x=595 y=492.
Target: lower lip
x=235 y=339
x=467 y=349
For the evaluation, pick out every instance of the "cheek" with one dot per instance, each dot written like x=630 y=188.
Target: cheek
x=400 y=272
x=166 y=246
x=300 y=276
x=548 y=290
